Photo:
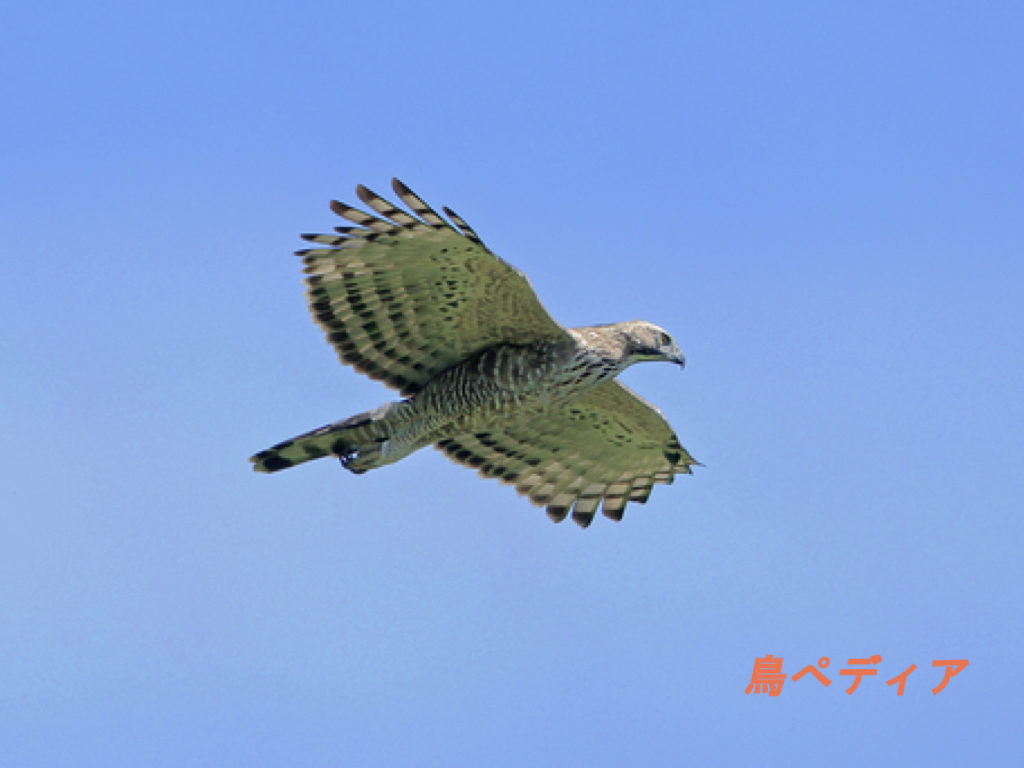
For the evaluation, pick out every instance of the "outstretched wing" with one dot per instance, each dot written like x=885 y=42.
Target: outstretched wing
x=404 y=297
x=608 y=445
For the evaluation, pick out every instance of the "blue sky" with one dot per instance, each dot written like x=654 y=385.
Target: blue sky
x=822 y=201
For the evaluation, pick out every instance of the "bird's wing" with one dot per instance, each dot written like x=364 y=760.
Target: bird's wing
x=403 y=297
x=608 y=445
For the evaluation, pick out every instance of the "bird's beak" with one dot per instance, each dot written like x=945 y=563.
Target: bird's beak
x=678 y=359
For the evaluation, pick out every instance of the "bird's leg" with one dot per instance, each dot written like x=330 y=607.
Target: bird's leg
x=363 y=457
x=378 y=437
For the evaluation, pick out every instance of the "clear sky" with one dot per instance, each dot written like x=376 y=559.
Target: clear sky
x=822 y=202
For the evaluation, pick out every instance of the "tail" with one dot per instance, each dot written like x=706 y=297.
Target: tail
x=358 y=436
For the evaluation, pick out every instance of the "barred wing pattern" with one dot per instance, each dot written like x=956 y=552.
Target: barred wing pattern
x=402 y=297
x=609 y=445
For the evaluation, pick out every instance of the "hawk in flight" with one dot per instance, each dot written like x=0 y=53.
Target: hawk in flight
x=418 y=302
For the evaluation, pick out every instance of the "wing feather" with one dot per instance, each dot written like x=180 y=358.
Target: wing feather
x=461 y=225
x=607 y=448
x=417 y=206
x=402 y=297
x=387 y=210
x=361 y=218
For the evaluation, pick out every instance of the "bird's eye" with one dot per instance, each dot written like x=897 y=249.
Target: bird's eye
x=664 y=340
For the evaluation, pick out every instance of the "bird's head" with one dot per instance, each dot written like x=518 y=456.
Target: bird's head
x=646 y=341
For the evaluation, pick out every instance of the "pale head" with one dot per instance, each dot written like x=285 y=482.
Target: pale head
x=646 y=341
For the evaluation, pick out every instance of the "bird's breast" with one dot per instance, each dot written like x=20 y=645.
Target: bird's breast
x=509 y=383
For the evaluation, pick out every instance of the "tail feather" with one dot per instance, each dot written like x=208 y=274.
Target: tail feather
x=342 y=439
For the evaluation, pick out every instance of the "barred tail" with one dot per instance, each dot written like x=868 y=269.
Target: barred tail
x=343 y=439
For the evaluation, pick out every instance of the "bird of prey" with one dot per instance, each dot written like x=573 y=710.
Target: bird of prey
x=418 y=302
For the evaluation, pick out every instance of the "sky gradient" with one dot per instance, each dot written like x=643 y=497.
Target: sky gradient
x=822 y=203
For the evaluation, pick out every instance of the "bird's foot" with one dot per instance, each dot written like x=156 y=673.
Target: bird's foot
x=348 y=462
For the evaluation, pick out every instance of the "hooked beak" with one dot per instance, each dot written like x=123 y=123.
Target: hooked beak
x=678 y=359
